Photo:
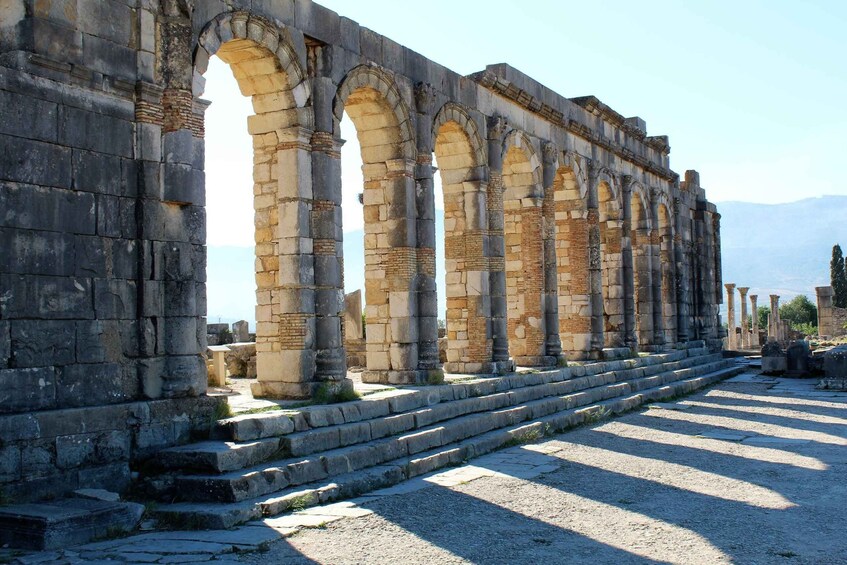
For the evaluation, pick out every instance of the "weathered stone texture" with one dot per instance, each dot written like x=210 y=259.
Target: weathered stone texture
x=566 y=230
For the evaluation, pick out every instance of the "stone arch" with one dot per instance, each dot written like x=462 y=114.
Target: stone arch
x=640 y=241
x=610 y=219
x=266 y=68
x=375 y=93
x=572 y=256
x=459 y=152
x=524 y=249
x=385 y=131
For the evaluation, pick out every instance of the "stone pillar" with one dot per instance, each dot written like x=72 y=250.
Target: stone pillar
x=681 y=275
x=773 y=319
x=427 y=314
x=731 y=344
x=754 y=334
x=497 y=126
x=716 y=233
x=628 y=266
x=655 y=244
x=553 y=343
x=745 y=334
x=595 y=276
x=826 y=324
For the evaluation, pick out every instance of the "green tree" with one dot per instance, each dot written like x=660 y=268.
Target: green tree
x=799 y=310
x=838 y=277
x=763 y=312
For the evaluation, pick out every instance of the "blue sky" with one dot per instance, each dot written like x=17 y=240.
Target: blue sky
x=751 y=93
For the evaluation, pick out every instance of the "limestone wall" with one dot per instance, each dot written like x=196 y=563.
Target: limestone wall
x=102 y=257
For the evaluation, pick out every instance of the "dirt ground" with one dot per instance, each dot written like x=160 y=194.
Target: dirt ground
x=753 y=470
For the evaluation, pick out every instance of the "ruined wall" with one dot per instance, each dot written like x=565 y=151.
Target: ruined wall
x=102 y=269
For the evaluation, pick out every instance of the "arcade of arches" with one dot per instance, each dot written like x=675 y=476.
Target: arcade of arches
x=567 y=234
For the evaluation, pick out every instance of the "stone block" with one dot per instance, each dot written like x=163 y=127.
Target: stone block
x=10 y=463
x=93 y=384
x=36 y=252
x=180 y=298
x=835 y=362
x=23 y=390
x=183 y=184
x=96 y=132
x=28 y=117
x=89 y=342
x=97 y=172
x=41 y=343
x=35 y=162
x=5 y=344
x=115 y=299
x=63 y=523
x=185 y=376
x=109 y=58
x=48 y=209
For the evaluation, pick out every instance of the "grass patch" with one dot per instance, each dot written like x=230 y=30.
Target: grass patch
x=302 y=502
x=329 y=394
x=435 y=377
x=598 y=415
x=223 y=411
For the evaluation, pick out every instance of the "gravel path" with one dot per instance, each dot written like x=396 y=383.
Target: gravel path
x=752 y=471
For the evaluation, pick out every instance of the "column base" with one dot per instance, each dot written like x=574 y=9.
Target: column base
x=463 y=368
x=325 y=390
x=415 y=377
x=505 y=367
x=535 y=361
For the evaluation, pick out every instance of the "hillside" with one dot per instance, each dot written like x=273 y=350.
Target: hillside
x=779 y=248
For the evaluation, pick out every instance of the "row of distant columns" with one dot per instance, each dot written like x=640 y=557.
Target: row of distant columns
x=749 y=338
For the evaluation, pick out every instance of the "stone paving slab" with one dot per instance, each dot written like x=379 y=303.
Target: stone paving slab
x=522 y=462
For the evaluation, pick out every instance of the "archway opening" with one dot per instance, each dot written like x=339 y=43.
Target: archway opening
x=524 y=255
x=611 y=269
x=574 y=294
x=640 y=242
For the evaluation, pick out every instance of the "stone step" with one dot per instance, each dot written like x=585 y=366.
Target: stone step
x=270 y=477
x=222 y=456
x=269 y=424
x=221 y=515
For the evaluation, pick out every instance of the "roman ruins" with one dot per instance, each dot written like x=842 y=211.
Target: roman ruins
x=567 y=234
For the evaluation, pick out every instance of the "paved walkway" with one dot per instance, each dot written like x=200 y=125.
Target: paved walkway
x=753 y=470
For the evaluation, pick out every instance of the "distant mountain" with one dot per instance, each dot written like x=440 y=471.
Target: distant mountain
x=781 y=248
x=772 y=248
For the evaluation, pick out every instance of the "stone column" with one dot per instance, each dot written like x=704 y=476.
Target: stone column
x=754 y=334
x=773 y=319
x=595 y=276
x=826 y=325
x=655 y=244
x=427 y=315
x=731 y=344
x=716 y=232
x=327 y=243
x=628 y=268
x=745 y=335
x=497 y=126
x=682 y=282
x=553 y=345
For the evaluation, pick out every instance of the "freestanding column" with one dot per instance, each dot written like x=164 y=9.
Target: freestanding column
x=628 y=271
x=825 y=322
x=773 y=319
x=497 y=126
x=731 y=344
x=754 y=335
x=745 y=335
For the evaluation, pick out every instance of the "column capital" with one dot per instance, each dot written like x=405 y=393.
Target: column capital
x=424 y=98
x=626 y=183
x=730 y=287
x=743 y=290
x=497 y=126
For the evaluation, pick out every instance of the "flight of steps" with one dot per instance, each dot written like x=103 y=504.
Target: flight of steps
x=261 y=465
